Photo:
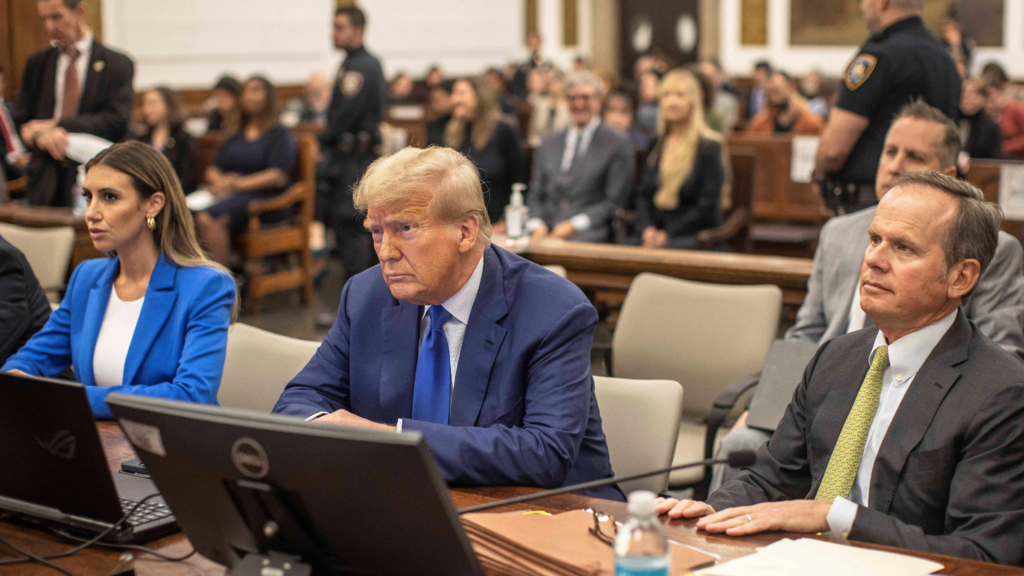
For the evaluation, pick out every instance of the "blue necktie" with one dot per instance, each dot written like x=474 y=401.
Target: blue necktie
x=432 y=391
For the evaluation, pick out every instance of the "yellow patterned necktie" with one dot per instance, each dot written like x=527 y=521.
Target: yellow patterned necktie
x=845 y=460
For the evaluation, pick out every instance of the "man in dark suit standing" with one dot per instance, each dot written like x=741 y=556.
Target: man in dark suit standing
x=24 y=308
x=581 y=173
x=909 y=433
x=77 y=85
x=484 y=353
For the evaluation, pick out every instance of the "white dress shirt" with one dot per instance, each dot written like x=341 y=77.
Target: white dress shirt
x=906 y=355
x=584 y=136
x=857 y=314
x=460 y=306
x=116 y=332
x=82 y=65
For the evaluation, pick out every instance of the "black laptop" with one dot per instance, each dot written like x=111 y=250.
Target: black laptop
x=54 y=471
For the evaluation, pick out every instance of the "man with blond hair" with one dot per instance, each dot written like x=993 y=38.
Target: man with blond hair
x=484 y=353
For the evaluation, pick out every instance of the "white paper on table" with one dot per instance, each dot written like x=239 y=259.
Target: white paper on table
x=1011 y=191
x=83 y=147
x=808 y=557
x=805 y=150
x=200 y=200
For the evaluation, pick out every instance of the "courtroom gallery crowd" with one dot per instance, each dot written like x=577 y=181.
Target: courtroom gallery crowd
x=916 y=299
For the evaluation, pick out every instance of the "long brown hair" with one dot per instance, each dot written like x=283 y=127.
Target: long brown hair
x=485 y=121
x=151 y=172
x=175 y=117
x=264 y=119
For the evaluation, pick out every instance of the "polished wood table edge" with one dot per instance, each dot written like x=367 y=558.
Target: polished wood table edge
x=96 y=561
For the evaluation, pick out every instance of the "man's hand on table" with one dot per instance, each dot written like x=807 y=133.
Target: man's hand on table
x=346 y=418
x=798 y=516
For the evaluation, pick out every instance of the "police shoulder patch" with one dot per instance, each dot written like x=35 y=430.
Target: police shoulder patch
x=860 y=70
x=351 y=82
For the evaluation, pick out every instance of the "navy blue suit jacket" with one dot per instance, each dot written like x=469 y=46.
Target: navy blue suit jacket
x=523 y=407
x=178 y=348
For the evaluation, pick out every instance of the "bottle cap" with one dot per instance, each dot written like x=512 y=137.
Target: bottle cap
x=641 y=503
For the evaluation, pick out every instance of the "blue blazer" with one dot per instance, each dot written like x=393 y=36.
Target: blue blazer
x=177 y=351
x=523 y=407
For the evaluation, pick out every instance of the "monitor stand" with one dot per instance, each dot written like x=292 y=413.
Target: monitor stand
x=287 y=544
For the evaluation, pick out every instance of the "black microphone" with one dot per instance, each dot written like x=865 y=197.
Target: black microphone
x=736 y=459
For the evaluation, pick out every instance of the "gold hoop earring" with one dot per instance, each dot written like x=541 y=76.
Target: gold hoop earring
x=151 y=222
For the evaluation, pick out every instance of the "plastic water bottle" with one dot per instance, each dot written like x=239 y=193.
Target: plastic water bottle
x=78 y=192
x=641 y=546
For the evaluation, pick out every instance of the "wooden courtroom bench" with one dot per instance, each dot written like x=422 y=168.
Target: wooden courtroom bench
x=605 y=271
x=985 y=175
x=95 y=561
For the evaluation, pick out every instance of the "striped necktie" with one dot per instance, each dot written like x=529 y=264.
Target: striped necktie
x=845 y=460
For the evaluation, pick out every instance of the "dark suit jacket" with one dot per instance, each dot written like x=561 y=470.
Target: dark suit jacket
x=700 y=196
x=24 y=308
x=949 y=476
x=181 y=151
x=523 y=408
x=104 y=110
x=601 y=180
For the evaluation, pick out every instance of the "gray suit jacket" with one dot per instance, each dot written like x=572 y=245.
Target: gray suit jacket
x=949 y=476
x=996 y=306
x=601 y=180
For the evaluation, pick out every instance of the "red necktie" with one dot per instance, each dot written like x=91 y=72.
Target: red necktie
x=69 y=106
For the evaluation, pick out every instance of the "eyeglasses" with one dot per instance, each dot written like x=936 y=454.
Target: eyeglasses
x=583 y=97
x=598 y=532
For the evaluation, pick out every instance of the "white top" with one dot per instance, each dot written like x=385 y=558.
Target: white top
x=857 y=314
x=906 y=355
x=115 y=337
x=82 y=65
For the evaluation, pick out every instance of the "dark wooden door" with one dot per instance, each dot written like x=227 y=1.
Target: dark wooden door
x=668 y=27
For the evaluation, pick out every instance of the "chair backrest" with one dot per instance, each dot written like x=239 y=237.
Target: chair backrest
x=703 y=336
x=48 y=251
x=640 y=419
x=258 y=366
x=558 y=269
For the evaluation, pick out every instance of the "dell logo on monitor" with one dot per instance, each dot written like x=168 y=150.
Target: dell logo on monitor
x=249 y=458
x=62 y=445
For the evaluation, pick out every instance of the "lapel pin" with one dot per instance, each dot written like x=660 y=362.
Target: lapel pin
x=98 y=66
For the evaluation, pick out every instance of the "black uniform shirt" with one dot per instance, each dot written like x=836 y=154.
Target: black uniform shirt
x=357 y=102
x=894 y=67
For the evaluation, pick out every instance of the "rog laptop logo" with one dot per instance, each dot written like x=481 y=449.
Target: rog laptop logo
x=250 y=458
x=62 y=445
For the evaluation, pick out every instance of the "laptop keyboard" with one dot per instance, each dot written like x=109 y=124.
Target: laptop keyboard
x=147 y=512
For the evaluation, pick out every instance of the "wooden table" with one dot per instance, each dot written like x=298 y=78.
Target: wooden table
x=95 y=561
x=50 y=217
x=606 y=270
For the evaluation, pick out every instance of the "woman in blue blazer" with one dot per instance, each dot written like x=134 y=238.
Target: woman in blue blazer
x=152 y=320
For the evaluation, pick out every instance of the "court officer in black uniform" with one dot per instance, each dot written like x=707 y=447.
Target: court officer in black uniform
x=349 y=141
x=899 y=63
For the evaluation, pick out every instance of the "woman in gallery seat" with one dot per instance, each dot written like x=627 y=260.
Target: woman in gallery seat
x=477 y=130
x=153 y=319
x=254 y=162
x=161 y=113
x=681 y=185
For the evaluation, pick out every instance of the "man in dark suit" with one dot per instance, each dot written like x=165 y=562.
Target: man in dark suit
x=24 y=308
x=909 y=433
x=77 y=85
x=582 y=173
x=484 y=353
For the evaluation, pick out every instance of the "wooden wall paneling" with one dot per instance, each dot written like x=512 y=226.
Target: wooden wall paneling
x=570 y=23
x=5 y=47
x=27 y=36
x=754 y=23
x=531 y=18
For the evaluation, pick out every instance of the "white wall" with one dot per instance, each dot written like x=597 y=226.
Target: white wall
x=189 y=43
x=832 y=60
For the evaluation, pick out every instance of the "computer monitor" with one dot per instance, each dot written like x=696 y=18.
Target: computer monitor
x=244 y=484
